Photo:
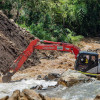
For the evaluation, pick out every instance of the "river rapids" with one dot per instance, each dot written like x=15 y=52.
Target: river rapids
x=82 y=91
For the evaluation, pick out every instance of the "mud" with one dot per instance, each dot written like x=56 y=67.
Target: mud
x=13 y=40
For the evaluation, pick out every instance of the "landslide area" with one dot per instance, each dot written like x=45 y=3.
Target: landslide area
x=13 y=40
x=60 y=64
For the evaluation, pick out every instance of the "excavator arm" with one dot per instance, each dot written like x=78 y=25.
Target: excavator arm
x=58 y=46
x=48 y=45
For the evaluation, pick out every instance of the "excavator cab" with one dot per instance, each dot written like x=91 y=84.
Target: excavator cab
x=87 y=62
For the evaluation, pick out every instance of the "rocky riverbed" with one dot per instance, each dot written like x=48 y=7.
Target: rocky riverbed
x=71 y=85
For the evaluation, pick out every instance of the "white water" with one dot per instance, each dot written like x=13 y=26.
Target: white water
x=82 y=91
x=8 y=88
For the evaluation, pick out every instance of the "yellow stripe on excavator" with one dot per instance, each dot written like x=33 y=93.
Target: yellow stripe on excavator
x=90 y=74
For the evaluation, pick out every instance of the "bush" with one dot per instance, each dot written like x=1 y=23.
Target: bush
x=80 y=16
x=54 y=33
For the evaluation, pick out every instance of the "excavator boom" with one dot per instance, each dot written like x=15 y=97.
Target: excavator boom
x=49 y=45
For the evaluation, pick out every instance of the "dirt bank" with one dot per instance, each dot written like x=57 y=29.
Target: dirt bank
x=13 y=40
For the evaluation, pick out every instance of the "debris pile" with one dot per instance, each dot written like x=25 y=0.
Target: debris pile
x=13 y=40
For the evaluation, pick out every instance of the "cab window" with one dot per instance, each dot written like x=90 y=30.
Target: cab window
x=84 y=59
x=93 y=61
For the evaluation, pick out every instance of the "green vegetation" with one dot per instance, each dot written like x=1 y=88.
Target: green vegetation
x=56 y=20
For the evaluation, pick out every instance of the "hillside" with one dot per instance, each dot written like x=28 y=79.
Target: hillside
x=13 y=40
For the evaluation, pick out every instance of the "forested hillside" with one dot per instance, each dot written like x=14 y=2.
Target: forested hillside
x=57 y=20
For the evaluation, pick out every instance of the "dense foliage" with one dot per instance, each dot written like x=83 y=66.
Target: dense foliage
x=57 y=20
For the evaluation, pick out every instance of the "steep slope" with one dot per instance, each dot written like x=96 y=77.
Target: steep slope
x=13 y=40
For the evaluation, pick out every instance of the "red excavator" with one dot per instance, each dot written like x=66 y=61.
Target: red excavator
x=86 y=62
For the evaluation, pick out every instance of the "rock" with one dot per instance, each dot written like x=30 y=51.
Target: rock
x=39 y=87
x=98 y=77
x=27 y=94
x=97 y=97
x=15 y=95
x=52 y=76
x=5 y=98
x=49 y=98
x=39 y=77
x=71 y=77
x=22 y=96
x=31 y=95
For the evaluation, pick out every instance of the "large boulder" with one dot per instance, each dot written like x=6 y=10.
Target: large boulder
x=48 y=98
x=52 y=76
x=28 y=94
x=22 y=96
x=71 y=77
x=97 y=97
x=15 y=95
x=31 y=94
x=5 y=98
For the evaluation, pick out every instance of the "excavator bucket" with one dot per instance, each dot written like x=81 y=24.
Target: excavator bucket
x=6 y=78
